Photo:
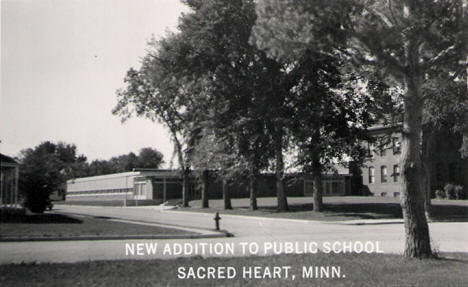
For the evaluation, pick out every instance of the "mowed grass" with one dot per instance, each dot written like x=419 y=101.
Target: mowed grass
x=358 y=270
x=15 y=224
x=336 y=208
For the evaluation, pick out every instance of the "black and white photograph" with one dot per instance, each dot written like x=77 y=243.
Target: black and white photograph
x=234 y=143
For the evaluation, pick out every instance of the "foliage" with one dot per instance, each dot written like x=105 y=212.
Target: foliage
x=453 y=191
x=208 y=85
x=44 y=169
x=146 y=158
x=440 y=194
x=460 y=192
x=409 y=42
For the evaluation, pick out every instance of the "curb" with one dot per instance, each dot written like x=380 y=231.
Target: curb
x=350 y=222
x=249 y=217
x=117 y=237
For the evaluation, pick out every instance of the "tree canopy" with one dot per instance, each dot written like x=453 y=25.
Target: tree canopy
x=409 y=42
x=44 y=169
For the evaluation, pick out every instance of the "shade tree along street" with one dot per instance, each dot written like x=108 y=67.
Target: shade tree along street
x=410 y=42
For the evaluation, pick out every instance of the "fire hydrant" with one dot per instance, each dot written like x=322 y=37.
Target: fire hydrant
x=217 y=218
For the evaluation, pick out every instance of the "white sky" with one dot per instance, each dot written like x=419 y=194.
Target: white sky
x=62 y=62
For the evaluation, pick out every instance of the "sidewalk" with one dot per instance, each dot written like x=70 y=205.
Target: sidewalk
x=192 y=233
x=445 y=237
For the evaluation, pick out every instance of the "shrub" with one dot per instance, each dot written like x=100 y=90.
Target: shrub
x=459 y=192
x=440 y=194
x=36 y=200
x=449 y=191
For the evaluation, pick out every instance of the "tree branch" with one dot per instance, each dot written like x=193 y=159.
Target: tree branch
x=442 y=56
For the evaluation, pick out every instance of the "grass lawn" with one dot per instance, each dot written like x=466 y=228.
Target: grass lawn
x=336 y=208
x=359 y=270
x=14 y=223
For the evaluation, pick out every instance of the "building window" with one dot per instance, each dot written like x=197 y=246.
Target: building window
x=396 y=173
x=383 y=173
x=396 y=145
x=371 y=175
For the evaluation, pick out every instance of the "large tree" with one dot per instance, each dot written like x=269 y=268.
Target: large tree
x=242 y=84
x=155 y=92
x=45 y=169
x=328 y=115
x=405 y=39
x=208 y=72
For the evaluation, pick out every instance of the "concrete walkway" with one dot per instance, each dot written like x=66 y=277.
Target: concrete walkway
x=248 y=231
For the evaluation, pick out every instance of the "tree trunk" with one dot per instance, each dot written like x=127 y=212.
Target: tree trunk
x=412 y=201
x=184 y=168
x=253 y=191
x=280 y=192
x=426 y=174
x=317 y=180
x=185 y=187
x=204 y=191
x=464 y=147
x=226 y=196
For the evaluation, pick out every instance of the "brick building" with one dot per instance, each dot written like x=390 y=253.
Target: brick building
x=382 y=170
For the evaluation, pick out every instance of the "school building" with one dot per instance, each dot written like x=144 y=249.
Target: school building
x=160 y=185
x=382 y=170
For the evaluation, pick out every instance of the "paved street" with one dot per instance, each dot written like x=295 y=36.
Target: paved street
x=446 y=237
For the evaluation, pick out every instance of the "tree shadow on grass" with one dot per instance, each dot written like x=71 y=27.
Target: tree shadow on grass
x=379 y=211
x=449 y=213
x=19 y=216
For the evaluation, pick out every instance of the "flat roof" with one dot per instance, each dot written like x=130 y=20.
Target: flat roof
x=7 y=159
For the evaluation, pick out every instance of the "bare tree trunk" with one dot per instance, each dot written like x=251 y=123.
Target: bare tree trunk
x=412 y=202
x=426 y=174
x=226 y=195
x=185 y=187
x=280 y=192
x=205 y=186
x=184 y=168
x=253 y=191
x=317 y=180
x=464 y=147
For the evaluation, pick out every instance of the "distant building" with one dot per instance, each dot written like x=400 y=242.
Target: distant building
x=134 y=185
x=9 y=174
x=382 y=171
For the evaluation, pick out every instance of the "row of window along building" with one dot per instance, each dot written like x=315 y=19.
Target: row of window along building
x=162 y=185
x=381 y=172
